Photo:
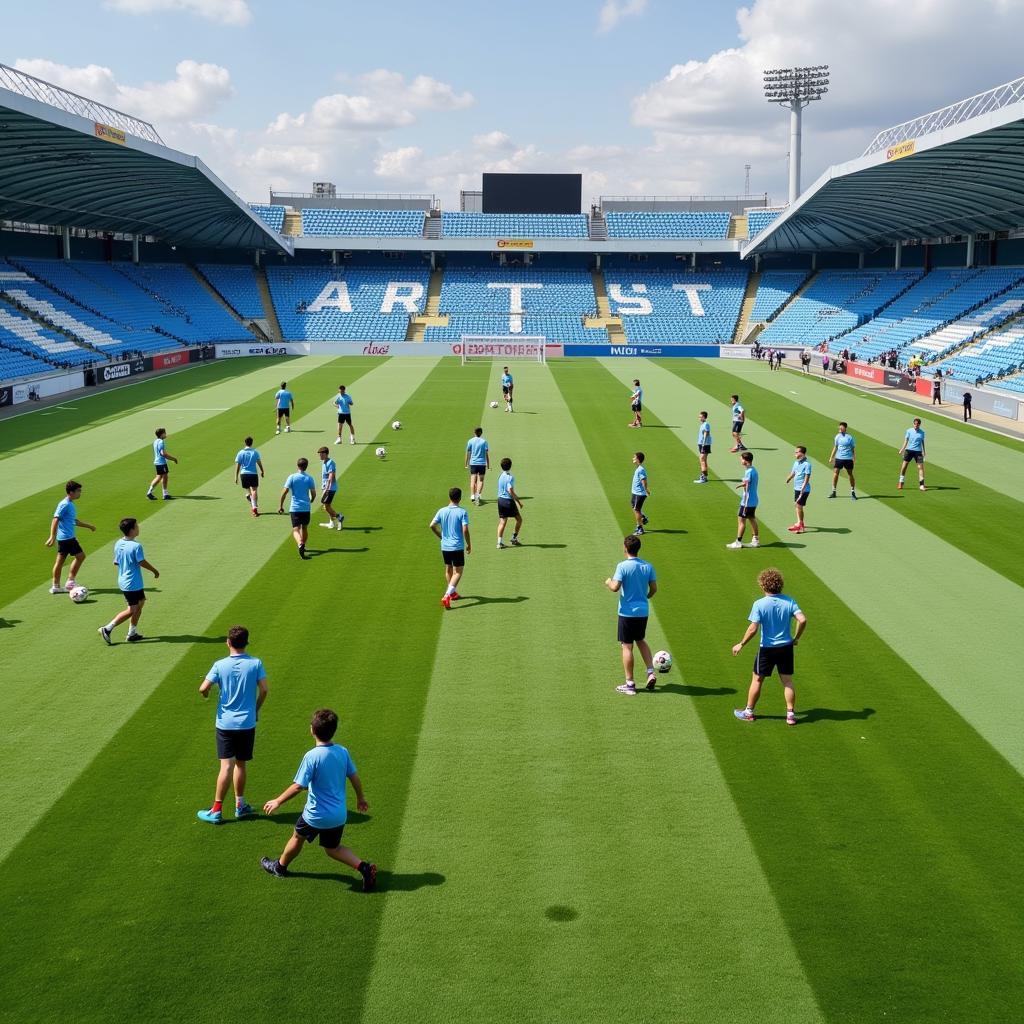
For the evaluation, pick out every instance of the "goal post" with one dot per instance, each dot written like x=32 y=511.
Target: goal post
x=508 y=347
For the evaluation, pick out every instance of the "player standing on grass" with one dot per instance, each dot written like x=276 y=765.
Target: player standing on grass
x=241 y=682
x=506 y=388
x=773 y=614
x=635 y=581
x=703 y=447
x=322 y=773
x=343 y=401
x=636 y=403
x=913 y=449
x=478 y=461
x=739 y=418
x=451 y=526
x=160 y=457
x=303 y=490
x=800 y=475
x=329 y=488
x=62 y=531
x=842 y=457
x=130 y=561
x=748 y=504
x=509 y=504
x=247 y=463
x=285 y=404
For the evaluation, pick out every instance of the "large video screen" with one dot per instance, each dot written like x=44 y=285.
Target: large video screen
x=532 y=193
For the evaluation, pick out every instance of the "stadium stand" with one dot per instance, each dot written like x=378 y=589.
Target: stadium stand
x=238 y=286
x=363 y=223
x=514 y=225
x=349 y=303
x=999 y=353
x=774 y=290
x=272 y=216
x=758 y=220
x=19 y=333
x=667 y=225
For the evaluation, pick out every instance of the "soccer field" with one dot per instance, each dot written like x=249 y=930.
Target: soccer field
x=549 y=850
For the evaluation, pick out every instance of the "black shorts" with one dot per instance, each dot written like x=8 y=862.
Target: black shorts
x=478 y=470
x=800 y=497
x=162 y=470
x=235 y=744
x=846 y=464
x=703 y=449
x=134 y=597
x=328 y=498
x=330 y=838
x=69 y=547
x=345 y=417
x=507 y=509
x=506 y=393
x=637 y=407
x=250 y=480
x=770 y=658
x=913 y=457
x=747 y=512
x=737 y=426
x=456 y=558
x=283 y=412
x=632 y=628
x=300 y=518
x=636 y=501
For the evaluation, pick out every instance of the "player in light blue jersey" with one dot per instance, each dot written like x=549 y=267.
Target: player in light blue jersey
x=343 y=402
x=509 y=504
x=703 y=447
x=130 y=561
x=773 y=613
x=329 y=489
x=303 y=491
x=639 y=493
x=800 y=475
x=478 y=461
x=912 y=449
x=62 y=533
x=636 y=404
x=322 y=773
x=507 y=387
x=284 y=405
x=843 y=456
x=636 y=582
x=249 y=467
x=451 y=526
x=748 y=504
x=739 y=420
x=160 y=459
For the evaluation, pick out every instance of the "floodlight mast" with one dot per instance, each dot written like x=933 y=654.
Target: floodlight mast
x=795 y=88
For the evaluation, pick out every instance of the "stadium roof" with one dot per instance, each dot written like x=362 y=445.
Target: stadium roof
x=69 y=161
x=956 y=171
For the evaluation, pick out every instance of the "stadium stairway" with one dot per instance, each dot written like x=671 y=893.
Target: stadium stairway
x=598 y=227
x=432 y=315
x=292 y=223
x=746 y=307
x=604 y=318
x=798 y=294
x=269 y=312
x=738 y=228
x=256 y=327
x=433 y=226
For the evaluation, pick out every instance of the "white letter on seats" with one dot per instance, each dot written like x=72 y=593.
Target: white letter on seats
x=696 y=306
x=408 y=300
x=515 y=303
x=333 y=296
x=637 y=305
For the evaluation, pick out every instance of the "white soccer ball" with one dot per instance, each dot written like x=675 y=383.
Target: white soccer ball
x=79 y=594
x=494 y=405
x=397 y=425
x=662 y=661
x=381 y=453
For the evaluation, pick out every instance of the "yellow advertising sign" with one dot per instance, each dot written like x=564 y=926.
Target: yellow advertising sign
x=106 y=132
x=515 y=243
x=901 y=150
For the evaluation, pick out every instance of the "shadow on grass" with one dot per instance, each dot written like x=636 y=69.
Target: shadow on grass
x=288 y=817
x=471 y=600
x=662 y=426
x=933 y=487
x=317 y=552
x=828 y=529
x=9 y=623
x=196 y=497
x=751 y=449
x=112 y=590
x=812 y=715
x=648 y=529
x=781 y=544
x=880 y=497
x=543 y=546
x=686 y=690
x=186 y=638
x=362 y=529
x=387 y=881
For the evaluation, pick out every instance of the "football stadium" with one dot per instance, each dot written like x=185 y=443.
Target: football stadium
x=574 y=802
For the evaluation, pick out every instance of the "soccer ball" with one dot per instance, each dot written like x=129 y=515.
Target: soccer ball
x=663 y=661
x=494 y=405
x=79 y=594
x=381 y=452
x=397 y=425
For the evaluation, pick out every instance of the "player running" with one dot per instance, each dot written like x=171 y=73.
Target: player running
x=160 y=457
x=639 y=493
x=800 y=475
x=62 y=532
x=249 y=467
x=739 y=419
x=636 y=404
x=343 y=402
x=912 y=449
x=303 y=491
x=478 y=461
x=506 y=388
x=285 y=405
x=748 y=504
x=329 y=488
x=509 y=504
x=635 y=581
x=130 y=560
x=451 y=526
x=703 y=447
x=842 y=456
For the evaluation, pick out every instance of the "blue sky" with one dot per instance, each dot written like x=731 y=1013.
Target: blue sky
x=642 y=96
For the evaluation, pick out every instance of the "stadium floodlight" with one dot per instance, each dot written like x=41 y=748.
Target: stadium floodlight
x=795 y=88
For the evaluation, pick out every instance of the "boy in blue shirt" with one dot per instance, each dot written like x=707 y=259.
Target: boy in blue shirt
x=703 y=447
x=303 y=489
x=506 y=388
x=639 y=493
x=748 y=504
x=800 y=474
x=635 y=581
x=636 y=403
x=509 y=504
x=322 y=774
x=62 y=532
x=284 y=402
x=478 y=461
x=160 y=457
x=343 y=402
x=842 y=456
x=772 y=613
x=329 y=488
x=130 y=560
x=241 y=682
x=249 y=465
x=451 y=526
x=739 y=419
x=913 y=449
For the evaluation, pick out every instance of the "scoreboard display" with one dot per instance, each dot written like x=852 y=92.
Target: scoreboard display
x=532 y=193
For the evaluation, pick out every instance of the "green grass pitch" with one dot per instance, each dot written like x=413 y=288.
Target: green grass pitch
x=549 y=850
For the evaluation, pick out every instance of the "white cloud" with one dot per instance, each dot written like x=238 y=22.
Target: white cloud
x=493 y=141
x=401 y=163
x=613 y=11
x=226 y=12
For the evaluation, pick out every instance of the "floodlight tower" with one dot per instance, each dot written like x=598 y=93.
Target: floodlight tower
x=794 y=88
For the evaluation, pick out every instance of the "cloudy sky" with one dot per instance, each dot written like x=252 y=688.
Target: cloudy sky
x=653 y=97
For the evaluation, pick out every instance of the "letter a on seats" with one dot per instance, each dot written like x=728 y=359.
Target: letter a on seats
x=334 y=296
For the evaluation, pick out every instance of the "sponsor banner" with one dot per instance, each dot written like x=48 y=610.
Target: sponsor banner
x=501 y=349
x=747 y=351
x=644 y=351
x=862 y=371
x=120 y=371
x=982 y=400
x=6 y=396
x=234 y=351
x=515 y=243
x=899 y=379
x=901 y=149
x=109 y=134
x=923 y=386
x=44 y=387
x=169 y=359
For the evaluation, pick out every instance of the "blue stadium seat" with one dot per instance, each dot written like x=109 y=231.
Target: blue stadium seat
x=272 y=216
x=363 y=223
x=238 y=286
x=758 y=220
x=774 y=291
x=713 y=224
x=514 y=225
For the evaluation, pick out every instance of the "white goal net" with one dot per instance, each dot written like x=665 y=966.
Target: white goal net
x=507 y=347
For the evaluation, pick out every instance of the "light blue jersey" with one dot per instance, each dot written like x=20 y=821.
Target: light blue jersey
x=285 y=399
x=915 y=439
x=344 y=404
x=638 y=395
x=66 y=518
x=801 y=475
x=300 y=484
x=247 y=459
x=639 y=481
x=506 y=484
x=750 y=478
x=236 y=678
x=451 y=519
x=128 y=556
x=506 y=380
x=737 y=412
x=159 y=452
x=844 y=446
x=329 y=466
x=704 y=434
x=773 y=613
x=635 y=575
x=477 y=447
x=322 y=773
